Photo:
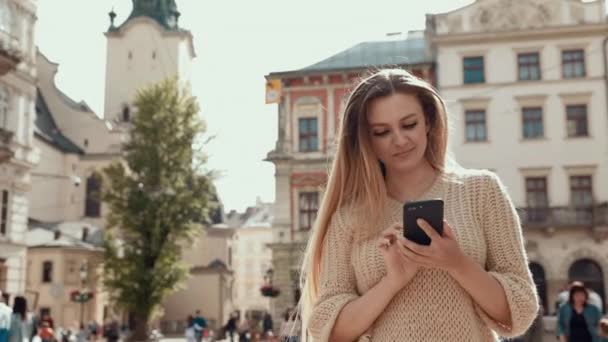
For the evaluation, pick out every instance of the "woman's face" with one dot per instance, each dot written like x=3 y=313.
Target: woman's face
x=398 y=131
x=579 y=297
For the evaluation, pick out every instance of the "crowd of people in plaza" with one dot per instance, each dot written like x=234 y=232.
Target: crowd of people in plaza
x=18 y=324
x=249 y=328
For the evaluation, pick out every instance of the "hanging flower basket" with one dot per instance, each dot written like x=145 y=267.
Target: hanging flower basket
x=269 y=291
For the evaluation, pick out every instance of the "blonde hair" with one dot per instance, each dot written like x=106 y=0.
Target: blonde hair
x=356 y=178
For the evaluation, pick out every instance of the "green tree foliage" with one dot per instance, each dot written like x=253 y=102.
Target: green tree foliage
x=156 y=200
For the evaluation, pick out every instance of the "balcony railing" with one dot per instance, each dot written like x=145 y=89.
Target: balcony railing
x=10 y=53
x=564 y=217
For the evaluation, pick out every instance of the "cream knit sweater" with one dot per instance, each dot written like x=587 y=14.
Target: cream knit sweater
x=433 y=306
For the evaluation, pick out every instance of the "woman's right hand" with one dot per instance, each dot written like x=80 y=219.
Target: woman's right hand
x=399 y=268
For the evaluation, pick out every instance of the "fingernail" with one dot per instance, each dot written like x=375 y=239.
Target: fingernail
x=419 y=221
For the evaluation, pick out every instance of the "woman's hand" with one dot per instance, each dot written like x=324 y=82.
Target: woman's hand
x=443 y=252
x=399 y=268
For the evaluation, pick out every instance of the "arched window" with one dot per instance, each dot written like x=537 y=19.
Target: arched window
x=590 y=273
x=538 y=274
x=93 y=192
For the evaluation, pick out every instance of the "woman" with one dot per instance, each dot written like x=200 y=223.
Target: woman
x=578 y=321
x=22 y=324
x=362 y=279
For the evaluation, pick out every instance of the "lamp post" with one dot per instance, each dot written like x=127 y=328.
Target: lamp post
x=84 y=270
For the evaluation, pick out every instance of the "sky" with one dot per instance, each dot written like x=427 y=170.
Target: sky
x=237 y=43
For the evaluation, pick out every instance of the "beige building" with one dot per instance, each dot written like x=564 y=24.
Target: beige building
x=309 y=107
x=527 y=95
x=210 y=285
x=18 y=154
x=252 y=259
x=62 y=259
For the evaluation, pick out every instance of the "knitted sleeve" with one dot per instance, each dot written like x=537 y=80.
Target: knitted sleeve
x=337 y=284
x=507 y=260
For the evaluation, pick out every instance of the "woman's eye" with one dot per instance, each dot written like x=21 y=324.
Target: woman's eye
x=380 y=133
x=410 y=126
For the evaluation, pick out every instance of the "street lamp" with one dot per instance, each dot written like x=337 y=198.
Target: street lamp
x=84 y=270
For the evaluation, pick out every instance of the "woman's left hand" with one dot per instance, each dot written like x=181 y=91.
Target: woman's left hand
x=443 y=252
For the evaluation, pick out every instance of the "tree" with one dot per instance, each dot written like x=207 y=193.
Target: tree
x=156 y=199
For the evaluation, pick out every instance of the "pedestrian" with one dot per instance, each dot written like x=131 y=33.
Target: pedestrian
x=231 y=326
x=267 y=324
x=201 y=322
x=471 y=283
x=190 y=332
x=5 y=319
x=577 y=320
x=46 y=333
x=22 y=322
x=594 y=297
x=111 y=330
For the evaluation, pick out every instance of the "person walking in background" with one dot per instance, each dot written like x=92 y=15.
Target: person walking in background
x=190 y=332
x=231 y=326
x=594 y=297
x=22 y=323
x=5 y=319
x=201 y=322
x=45 y=332
x=577 y=320
x=267 y=324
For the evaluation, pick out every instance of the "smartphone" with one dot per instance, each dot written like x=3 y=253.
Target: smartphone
x=429 y=210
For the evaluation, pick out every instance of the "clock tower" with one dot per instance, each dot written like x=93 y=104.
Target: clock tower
x=146 y=48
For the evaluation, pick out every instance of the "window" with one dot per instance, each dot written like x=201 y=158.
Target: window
x=4 y=104
x=581 y=191
x=93 y=203
x=309 y=140
x=536 y=198
x=581 y=199
x=532 y=122
x=529 y=66
x=576 y=120
x=126 y=113
x=47 y=272
x=475 y=121
x=473 y=70
x=3 y=276
x=573 y=63
x=4 y=213
x=309 y=205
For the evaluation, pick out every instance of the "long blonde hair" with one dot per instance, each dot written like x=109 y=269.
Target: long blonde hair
x=356 y=178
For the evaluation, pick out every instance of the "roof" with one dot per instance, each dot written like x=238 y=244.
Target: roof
x=164 y=12
x=374 y=54
x=46 y=128
x=43 y=234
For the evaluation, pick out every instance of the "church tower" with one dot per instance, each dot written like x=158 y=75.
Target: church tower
x=146 y=48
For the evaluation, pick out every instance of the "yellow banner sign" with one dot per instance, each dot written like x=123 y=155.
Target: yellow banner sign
x=273 y=91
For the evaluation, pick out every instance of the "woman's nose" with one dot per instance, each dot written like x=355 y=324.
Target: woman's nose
x=400 y=139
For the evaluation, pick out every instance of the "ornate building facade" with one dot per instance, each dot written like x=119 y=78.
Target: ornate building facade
x=526 y=85
x=17 y=152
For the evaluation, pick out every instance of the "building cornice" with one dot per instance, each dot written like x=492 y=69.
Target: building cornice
x=527 y=34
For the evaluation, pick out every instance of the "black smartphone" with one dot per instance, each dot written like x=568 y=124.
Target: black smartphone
x=429 y=210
